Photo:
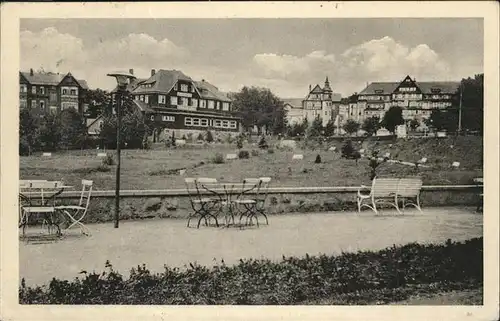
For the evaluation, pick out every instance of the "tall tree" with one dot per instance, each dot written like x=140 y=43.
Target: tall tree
x=28 y=132
x=472 y=102
x=351 y=126
x=50 y=135
x=392 y=118
x=260 y=107
x=330 y=128
x=371 y=125
x=316 y=127
x=73 y=130
x=97 y=100
x=132 y=131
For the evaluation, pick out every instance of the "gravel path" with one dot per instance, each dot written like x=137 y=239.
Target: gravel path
x=168 y=242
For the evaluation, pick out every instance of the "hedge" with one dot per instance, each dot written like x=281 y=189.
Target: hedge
x=365 y=277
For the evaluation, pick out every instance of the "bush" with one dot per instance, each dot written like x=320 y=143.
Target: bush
x=200 y=137
x=108 y=160
x=243 y=154
x=263 y=143
x=318 y=159
x=103 y=168
x=381 y=277
x=210 y=137
x=218 y=158
x=239 y=142
x=255 y=152
x=270 y=151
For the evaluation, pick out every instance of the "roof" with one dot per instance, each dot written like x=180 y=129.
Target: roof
x=39 y=78
x=162 y=81
x=83 y=83
x=425 y=86
x=142 y=106
x=317 y=90
x=446 y=87
x=294 y=102
x=49 y=78
x=209 y=91
x=336 y=97
x=385 y=87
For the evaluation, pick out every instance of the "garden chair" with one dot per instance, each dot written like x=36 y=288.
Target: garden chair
x=202 y=206
x=76 y=213
x=252 y=199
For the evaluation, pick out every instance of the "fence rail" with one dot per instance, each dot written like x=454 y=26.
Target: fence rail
x=181 y=192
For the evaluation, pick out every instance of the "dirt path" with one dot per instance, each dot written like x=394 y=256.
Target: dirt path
x=159 y=242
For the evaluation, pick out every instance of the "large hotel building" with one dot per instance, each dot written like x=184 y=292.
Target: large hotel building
x=417 y=99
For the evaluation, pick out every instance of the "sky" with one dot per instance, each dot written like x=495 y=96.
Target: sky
x=284 y=55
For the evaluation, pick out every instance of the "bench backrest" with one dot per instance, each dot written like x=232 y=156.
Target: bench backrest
x=409 y=187
x=384 y=187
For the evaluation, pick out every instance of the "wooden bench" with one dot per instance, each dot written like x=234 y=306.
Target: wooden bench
x=390 y=191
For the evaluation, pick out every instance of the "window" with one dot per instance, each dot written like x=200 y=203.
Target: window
x=23 y=103
x=168 y=118
x=225 y=106
x=173 y=100
x=188 y=121
x=210 y=104
x=161 y=99
x=195 y=102
x=42 y=104
x=146 y=99
x=33 y=90
x=33 y=104
x=232 y=124
x=23 y=88
x=190 y=102
x=204 y=122
x=180 y=101
x=192 y=89
x=73 y=92
x=196 y=122
x=176 y=87
x=184 y=87
x=64 y=91
x=217 y=123
x=152 y=117
x=42 y=90
x=203 y=103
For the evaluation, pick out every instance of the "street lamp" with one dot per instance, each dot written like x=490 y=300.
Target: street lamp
x=122 y=78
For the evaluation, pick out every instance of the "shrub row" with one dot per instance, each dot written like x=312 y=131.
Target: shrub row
x=352 y=278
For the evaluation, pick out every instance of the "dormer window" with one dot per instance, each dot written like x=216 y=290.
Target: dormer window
x=379 y=91
x=435 y=90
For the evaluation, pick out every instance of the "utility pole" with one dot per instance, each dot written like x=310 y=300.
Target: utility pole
x=460 y=111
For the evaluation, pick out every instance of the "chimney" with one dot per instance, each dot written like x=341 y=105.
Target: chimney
x=31 y=71
x=153 y=72
x=309 y=88
x=131 y=71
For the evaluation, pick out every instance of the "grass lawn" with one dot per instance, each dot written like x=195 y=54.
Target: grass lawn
x=157 y=168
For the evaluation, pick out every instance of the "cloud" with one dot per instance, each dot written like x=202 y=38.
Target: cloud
x=50 y=50
x=292 y=67
x=140 y=50
x=60 y=52
x=382 y=59
x=287 y=75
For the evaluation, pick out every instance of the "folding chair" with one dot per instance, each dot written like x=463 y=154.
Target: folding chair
x=251 y=207
x=201 y=206
x=76 y=213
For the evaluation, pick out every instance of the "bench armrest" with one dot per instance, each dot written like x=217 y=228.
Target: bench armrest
x=363 y=187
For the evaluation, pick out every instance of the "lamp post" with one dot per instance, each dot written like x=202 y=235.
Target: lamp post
x=122 y=78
